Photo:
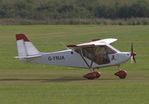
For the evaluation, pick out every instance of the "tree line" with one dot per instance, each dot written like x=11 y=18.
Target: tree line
x=74 y=9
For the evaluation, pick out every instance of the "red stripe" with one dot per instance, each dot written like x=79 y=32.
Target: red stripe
x=21 y=37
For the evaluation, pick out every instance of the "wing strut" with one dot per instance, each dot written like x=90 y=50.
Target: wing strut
x=91 y=64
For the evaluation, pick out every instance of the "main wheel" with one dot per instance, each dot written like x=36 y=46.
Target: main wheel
x=92 y=75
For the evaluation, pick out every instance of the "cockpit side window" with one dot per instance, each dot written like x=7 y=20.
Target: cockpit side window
x=98 y=54
x=109 y=50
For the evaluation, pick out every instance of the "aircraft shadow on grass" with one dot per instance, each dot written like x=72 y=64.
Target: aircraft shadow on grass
x=64 y=79
x=44 y=80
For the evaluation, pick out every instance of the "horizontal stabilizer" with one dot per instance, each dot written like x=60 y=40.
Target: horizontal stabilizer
x=26 y=57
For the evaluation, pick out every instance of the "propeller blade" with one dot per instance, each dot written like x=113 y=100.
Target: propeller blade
x=134 y=59
x=131 y=59
x=133 y=54
x=131 y=47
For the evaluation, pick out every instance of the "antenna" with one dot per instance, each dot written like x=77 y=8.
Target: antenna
x=63 y=45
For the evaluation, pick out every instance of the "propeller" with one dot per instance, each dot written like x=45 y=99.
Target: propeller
x=133 y=54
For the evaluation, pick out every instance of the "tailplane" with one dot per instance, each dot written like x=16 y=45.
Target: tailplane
x=25 y=47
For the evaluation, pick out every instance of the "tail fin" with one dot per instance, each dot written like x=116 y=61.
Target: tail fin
x=25 y=48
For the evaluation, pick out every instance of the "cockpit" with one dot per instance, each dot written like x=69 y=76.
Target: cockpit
x=97 y=54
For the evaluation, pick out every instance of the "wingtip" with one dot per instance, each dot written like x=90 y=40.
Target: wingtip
x=21 y=37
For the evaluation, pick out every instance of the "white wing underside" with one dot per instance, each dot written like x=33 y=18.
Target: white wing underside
x=99 y=42
x=93 y=43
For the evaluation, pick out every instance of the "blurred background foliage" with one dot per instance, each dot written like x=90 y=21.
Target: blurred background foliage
x=75 y=11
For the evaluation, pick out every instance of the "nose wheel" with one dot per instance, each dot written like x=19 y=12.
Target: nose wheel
x=121 y=74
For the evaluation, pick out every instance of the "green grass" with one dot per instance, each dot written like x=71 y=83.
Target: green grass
x=25 y=83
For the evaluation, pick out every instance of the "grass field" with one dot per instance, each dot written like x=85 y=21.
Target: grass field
x=42 y=84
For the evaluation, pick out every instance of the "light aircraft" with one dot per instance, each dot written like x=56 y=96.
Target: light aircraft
x=91 y=55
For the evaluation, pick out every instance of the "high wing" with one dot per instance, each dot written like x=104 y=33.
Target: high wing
x=93 y=43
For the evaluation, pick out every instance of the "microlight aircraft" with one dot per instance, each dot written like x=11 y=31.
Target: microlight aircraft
x=92 y=55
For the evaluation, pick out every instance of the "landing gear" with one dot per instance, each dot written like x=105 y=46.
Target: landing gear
x=121 y=74
x=92 y=75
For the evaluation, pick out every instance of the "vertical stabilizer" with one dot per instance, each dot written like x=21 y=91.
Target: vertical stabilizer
x=25 y=47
